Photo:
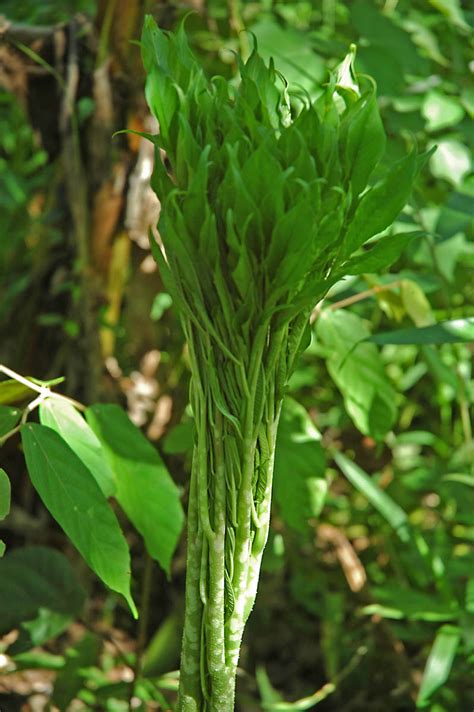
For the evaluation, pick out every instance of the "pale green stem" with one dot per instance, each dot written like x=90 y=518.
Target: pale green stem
x=229 y=515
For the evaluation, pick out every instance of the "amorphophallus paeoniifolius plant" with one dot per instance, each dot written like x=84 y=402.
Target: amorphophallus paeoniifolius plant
x=267 y=201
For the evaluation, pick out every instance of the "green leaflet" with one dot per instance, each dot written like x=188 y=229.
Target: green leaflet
x=145 y=489
x=75 y=500
x=382 y=255
x=62 y=417
x=379 y=207
x=290 y=184
x=358 y=372
x=364 y=143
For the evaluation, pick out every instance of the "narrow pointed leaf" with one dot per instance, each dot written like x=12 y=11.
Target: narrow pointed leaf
x=383 y=503
x=382 y=255
x=75 y=500
x=379 y=207
x=456 y=331
x=439 y=663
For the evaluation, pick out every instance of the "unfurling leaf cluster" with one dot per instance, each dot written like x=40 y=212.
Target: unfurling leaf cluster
x=265 y=195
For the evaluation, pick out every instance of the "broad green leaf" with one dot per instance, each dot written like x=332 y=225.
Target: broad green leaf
x=5 y=496
x=40 y=594
x=71 y=678
x=382 y=255
x=358 y=372
x=300 y=485
x=441 y=111
x=145 y=489
x=439 y=663
x=75 y=500
x=9 y=417
x=378 y=498
x=379 y=207
x=62 y=417
x=451 y=161
x=456 y=331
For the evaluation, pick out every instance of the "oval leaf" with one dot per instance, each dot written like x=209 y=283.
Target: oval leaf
x=145 y=489
x=359 y=373
x=75 y=500
x=62 y=417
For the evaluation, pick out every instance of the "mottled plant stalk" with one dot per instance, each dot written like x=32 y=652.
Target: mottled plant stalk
x=229 y=511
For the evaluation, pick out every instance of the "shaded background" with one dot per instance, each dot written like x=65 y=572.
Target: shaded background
x=343 y=596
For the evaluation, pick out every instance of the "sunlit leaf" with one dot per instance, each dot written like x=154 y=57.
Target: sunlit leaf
x=62 y=417
x=358 y=372
x=145 y=489
x=441 y=111
x=452 y=161
x=75 y=500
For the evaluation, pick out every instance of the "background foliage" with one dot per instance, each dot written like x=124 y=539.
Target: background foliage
x=367 y=596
